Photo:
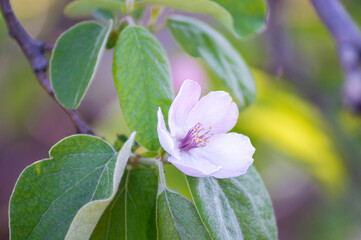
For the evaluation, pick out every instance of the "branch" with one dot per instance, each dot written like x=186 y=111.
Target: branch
x=284 y=59
x=34 y=52
x=348 y=39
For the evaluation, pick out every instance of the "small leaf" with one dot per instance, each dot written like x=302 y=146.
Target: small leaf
x=143 y=81
x=196 y=6
x=177 y=218
x=249 y=16
x=86 y=8
x=200 y=40
x=131 y=214
x=74 y=60
x=235 y=208
x=113 y=37
x=49 y=193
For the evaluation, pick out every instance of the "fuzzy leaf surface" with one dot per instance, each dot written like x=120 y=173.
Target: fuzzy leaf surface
x=235 y=208
x=131 y=214
x=50 y=192
x=177 y=218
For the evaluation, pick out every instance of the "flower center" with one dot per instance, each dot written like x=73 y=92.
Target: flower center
x=197 y=137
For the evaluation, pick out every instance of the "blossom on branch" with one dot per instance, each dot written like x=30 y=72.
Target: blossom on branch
x=198 y=141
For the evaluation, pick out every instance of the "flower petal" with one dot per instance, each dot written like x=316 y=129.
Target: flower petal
x=165 y=139
x=193 y=166
x=232 y=151
x=184 y=102
x=216 y=110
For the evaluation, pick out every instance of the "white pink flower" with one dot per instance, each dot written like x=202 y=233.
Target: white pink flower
x=198 y=142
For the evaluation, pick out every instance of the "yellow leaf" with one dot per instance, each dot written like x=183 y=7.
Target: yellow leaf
x=294 y=127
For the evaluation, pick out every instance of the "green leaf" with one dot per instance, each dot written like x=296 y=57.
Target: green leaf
x=143 y=81
x=196 y=6
x=74 y=61
x=235 y=208
x=48 y=195
x=88 y=216
x=86 y=8
x=200 y=40
x=177 y=218
x=249 y=16
x=104 y=15
x=241 y=17
x=131 y=214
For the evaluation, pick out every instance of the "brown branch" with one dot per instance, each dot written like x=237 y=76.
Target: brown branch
x=348 y=39
x=34 y=52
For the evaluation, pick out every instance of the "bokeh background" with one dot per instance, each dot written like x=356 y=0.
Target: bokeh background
x=308 y=145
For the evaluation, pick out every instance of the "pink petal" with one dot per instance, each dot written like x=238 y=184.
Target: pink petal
x=186 y=99
x=232 y=151
x=216 y=110
x=165 y=139
x=193 y=167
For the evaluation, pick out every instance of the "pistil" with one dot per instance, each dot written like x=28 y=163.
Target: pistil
x=197 y=137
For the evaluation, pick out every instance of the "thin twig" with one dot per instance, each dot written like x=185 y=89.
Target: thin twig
x=348 y=39
x=34 y=52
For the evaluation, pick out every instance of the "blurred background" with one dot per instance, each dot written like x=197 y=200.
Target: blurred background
x=308 y=145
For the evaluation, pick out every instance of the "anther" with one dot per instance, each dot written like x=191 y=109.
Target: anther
x=196 y=137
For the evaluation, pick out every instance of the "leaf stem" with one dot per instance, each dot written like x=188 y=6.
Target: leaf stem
x=148 y=161
x=129 y=6
x=163 y=184
x=130 y=20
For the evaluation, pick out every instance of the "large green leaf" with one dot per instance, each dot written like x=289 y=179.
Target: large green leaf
x=235 y=208
x=74 y=60
x=200 y=40
x=177 y=218
x=88 y=216
x=131 y=214
x=85 y=8
x=143 y=81
x=249 y=16
x=49 y=193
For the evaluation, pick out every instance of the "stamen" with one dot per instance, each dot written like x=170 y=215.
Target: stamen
x=196 y=137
